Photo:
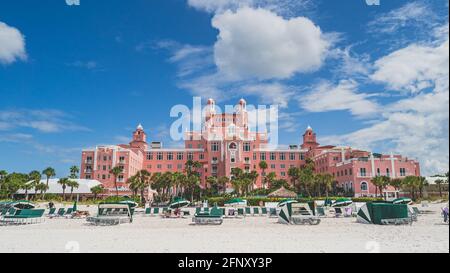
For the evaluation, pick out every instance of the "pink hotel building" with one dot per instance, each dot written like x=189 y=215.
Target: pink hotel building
x=226 y=142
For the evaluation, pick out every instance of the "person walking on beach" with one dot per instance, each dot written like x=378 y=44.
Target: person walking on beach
x=445 y=213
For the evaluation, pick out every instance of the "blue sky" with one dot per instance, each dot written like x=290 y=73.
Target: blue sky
x=71 y=77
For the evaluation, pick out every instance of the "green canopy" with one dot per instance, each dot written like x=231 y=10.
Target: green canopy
x=375 y=213
x=286 y=201
x=342 y=202
x=130 y=203
x=235 y=202
x=179 y=203
x=403 y=200
x=22 y=204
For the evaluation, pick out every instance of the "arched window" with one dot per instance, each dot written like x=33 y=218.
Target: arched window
x=364 y=186
x=232 y=146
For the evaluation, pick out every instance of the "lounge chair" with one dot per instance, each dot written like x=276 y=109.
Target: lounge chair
x=321 y=212
x=273 y=212
x=302 y=214
x=338 y=212
x=155 y=211
x=256 y=211
x=59 y=213
x=264 y=211
x=148 y=211
x=248 y=211
x=416 y=211
x=68 y=212
x=198 y=210
x=214 y=217
x=51 y=211
x=24 y=216
x=240 y=212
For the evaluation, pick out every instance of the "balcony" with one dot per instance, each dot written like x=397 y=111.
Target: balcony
x=88 y=171
x=88 y=161
x=364 y=175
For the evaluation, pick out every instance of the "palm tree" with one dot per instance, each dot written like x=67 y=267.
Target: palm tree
x=263 y=166
x=307 y=175
x=439 y=182
x=143 y=178
x=72 y=184
x=41 y=187
x=223 y=181
x=63 y=182
x=35 y=176
x=26 y=187
x=49 y=172
x=396 y=183
x=116 y=171
x=422 y=183
x=327 y=181
x=96 y=190
x=74 y=170
x=380 y=183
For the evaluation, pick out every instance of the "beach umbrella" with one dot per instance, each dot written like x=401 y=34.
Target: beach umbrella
x=363 y=215
x=403 y=200
x=284 y=215
x=287 y=201
x=342 y=202
x=130 y=203
x=234 y=202
x=23 y=204
x=179 y=203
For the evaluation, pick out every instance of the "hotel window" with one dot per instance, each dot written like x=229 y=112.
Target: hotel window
x=214 y=169
x=387 y=173
x=110 y=158
x=104 y=167
x=291 y=156
x=159 y=166
x=159 y=156
x=247 y=160
x=283 y=174
x=190 y=146
x=402 y=172
x=149 y=156
x=272 y=166
x=169 y=166
x=246 y=147
x=179 y=166
x=103 y=177
x=346 y=172
x=199 y=146
x=105 y=158
x=215 y=146
x=378 y=172
x=364 y=186
x=88 y=177
x=201 y=156
x=179 y=156
x=254 y=156
x=170 y=156
x=302 y=156
x=362 y=172
x=350 y=171
x=149 y=166
x=190 y=156
x=121 y=159
x=89 y=159
x=282 y=156
x=273 y=156
x=262 y=156
x=282 y=166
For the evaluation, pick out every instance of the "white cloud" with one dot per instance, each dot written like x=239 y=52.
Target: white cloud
x=12 y=44
x=286 y=8
x=411 y=14
x=325 y=97
x=414 y=67
x=269 y=93
x=256 y=43
x=46 y=121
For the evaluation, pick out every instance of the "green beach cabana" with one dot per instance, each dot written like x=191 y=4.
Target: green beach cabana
x=383 y=214
x=179 y=203
x=342 y=202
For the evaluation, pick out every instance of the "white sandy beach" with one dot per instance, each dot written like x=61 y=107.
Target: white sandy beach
x=250 y=234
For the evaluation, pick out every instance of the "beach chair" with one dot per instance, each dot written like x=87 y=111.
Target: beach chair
x=68 y=212
x=198 y=210
x=240 y=212
x=255 y=211
x=148 y=211
x=273 y=212
x=214 y=217
x=60 y=212
x=51 y=211
x=321 y=212
x=248 y=211
x=302 y=214
x=416 y=211
x=24 y=216
x=155 y=211
x=264 y=211
x=338 y=212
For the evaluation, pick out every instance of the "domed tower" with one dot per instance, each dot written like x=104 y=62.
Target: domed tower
x=242 y=120
x=309 y=139
x=139 y=138
x=210 y=109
